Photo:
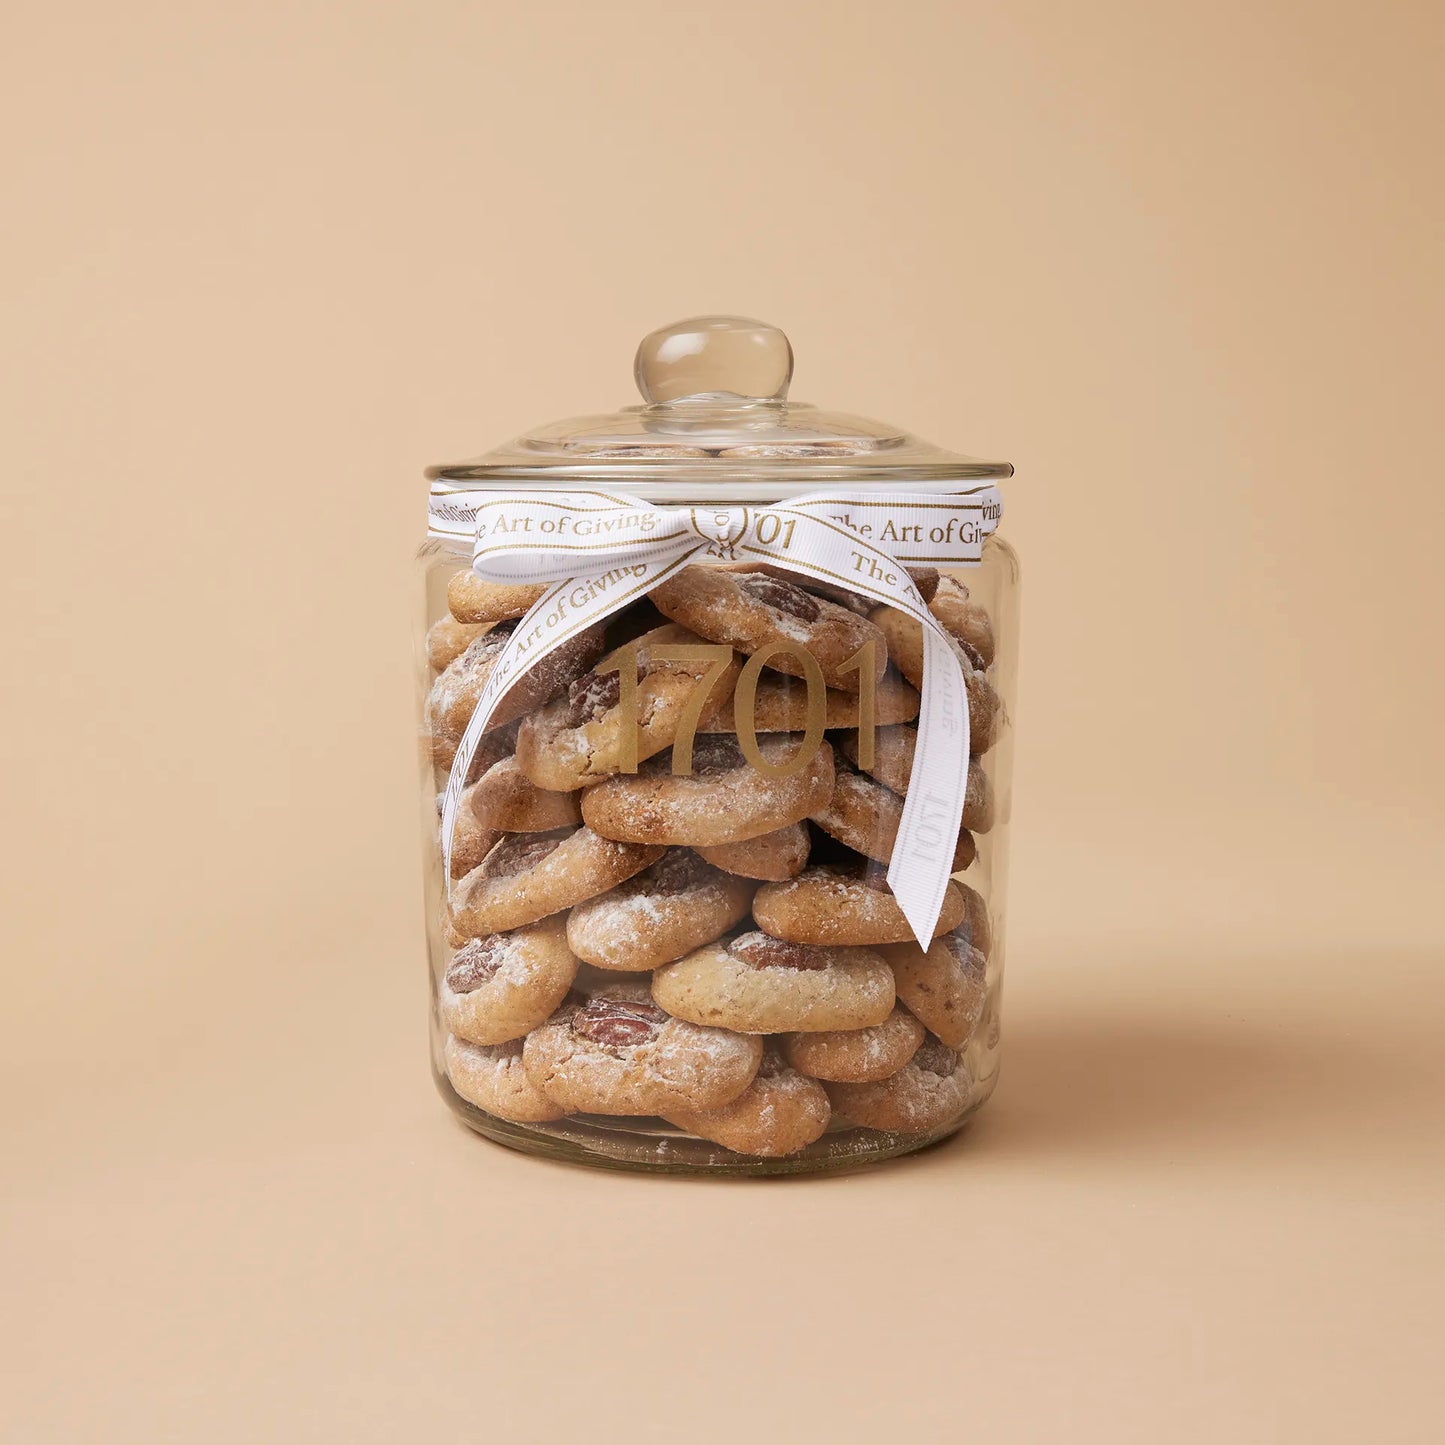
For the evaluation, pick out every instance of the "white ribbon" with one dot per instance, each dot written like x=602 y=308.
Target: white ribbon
x=603 y=550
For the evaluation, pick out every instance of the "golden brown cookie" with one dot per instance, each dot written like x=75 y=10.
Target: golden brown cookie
x=865 y=815
x=752 y=611
x=502 y=986
x=773 y=856
x=925 y=579
x=963 y=617
x=492 y=745
x=928 y=1092
x=893 y=749
x=583 y=735
x=456 y=692
x=976 y=928
x=756 y=984
x=723 y=799
x=857 y=1056
x=447 y=639
x=905 y=649
x=471 y=840
x=505 y=799
x=944 y=988
x=492 y=1078
x=619 y=1053
x=658 y=915
x=533 y=875
x=473 y=600
x=781 y=706
x=779 y=1113
x=839 y=904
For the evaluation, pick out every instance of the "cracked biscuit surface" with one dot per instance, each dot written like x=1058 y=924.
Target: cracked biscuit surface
x=619 y=1053
x=723 y=800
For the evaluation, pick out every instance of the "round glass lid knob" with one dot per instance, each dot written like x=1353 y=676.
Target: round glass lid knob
x=714 y=358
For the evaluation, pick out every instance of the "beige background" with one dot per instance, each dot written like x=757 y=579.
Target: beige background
x=1179 y=263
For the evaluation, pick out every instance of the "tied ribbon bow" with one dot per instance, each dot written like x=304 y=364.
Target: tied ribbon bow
x=603 y=550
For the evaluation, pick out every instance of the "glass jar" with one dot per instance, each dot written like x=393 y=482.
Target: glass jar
x=716 y=698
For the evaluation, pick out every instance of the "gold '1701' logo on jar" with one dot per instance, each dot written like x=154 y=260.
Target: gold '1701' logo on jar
x=714 y=660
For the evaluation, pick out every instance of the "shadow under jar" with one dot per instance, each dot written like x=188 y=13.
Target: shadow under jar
x=666 y=939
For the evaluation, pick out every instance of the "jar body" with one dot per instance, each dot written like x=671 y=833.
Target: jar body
x=677 y=993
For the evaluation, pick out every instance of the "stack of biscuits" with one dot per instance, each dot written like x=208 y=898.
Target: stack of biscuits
x=642 y=922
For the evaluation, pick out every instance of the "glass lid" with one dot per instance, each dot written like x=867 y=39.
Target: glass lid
x=715 y=413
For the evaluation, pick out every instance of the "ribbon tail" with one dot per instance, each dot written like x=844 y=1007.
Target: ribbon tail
x=937 y=787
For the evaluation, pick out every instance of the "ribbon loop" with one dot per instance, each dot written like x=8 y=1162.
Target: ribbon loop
x=602 y=550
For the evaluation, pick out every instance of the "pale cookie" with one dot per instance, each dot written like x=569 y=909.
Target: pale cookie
x=581 y=737
x=506 y=799
x=751 y=611
x=761 y=985
x=772 y=857
x=905 y=648
x=944 y=988
x=779 y=1113
x=723 y=799
x=501 y=987
x=619 y=1053
x=455 y=694
x=857 y=1056
x=660 y=914
x=865 y=815
x=534 y=875
x=928 y=1092
x=493 y=1079
x=892 y=765
x=963 y=617
x=838 y=904
x=447 y=639
x=473 y=600
x=781 y=706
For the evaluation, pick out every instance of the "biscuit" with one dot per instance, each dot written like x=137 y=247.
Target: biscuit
x=501 y=987
x=925 y=579
x=582 y=735
x=471 y=839
x=533 y=875
x=892 y=765
x=976 y=928
x=773 y=856
x=857 y=1056
x=929 y=1091
x=755 y=984
x=473 y=600
x=905 y=648
x=779 y=1113
x=455 y=694
x=619 y=1053
x=723 y=799
x=780 y=705
x=491 y=746
x=492 y=1078
x=751 y=611
x=447 y=639
x=964 y=618
x=505 y=799
x=944 y=988
x=833 y=905
x=658 y=915
x=865 y=815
